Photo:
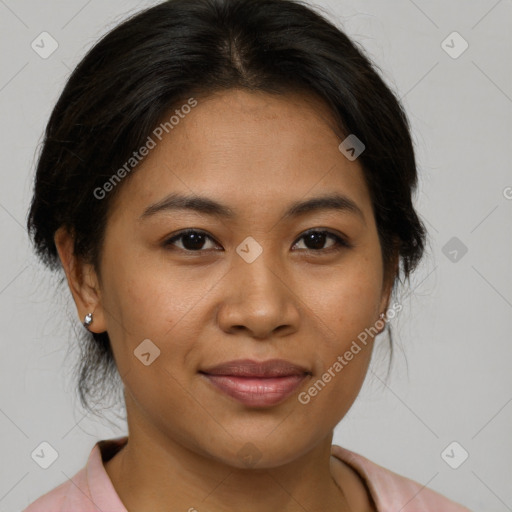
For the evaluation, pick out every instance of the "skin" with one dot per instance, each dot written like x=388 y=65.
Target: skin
x=256 y=153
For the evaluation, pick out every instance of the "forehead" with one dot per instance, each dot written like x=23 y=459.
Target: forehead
x=245 y=148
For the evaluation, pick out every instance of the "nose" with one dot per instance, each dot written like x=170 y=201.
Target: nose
x=258 y=298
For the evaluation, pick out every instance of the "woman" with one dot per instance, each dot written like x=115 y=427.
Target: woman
x=227 y=186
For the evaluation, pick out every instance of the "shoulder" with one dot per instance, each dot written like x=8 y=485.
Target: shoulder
x=59 y=497
x=90 y=489
x=391 y=491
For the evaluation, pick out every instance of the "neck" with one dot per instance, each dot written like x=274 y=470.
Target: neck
x=156 y=472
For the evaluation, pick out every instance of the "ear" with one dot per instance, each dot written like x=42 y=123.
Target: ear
x=389 y=280
x=82 y=281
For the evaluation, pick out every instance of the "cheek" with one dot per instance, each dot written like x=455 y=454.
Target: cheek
x=346 y=312
x=147 y=297
x=343 y=351
x=147 y=300
x=331 y=393
x=348 y=300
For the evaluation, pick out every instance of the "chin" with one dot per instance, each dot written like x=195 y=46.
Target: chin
x=261 y=451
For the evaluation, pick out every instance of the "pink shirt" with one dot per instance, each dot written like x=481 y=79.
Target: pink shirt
x=91 y=489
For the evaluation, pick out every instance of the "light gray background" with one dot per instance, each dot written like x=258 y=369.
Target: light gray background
x=451 y=380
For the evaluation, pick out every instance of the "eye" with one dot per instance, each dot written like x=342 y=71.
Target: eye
x=191 y=240
x=315 y=239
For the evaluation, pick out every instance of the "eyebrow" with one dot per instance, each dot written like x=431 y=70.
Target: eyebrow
x=205 y=205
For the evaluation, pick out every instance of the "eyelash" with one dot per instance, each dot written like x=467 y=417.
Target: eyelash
x=340 y=244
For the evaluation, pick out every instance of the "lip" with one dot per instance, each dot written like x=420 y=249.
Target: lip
x=257 y=383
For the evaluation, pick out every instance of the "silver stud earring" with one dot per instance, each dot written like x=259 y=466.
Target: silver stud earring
x=383 y=317
x=87 y=320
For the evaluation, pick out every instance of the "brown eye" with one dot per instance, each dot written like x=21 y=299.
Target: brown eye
x=191 y=240
x=315 y=240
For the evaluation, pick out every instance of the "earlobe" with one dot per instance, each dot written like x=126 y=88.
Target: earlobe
x=388 y=286
x=82 y=281
x=386 y=296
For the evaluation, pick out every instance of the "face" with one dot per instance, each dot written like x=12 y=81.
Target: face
x=253 y=279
